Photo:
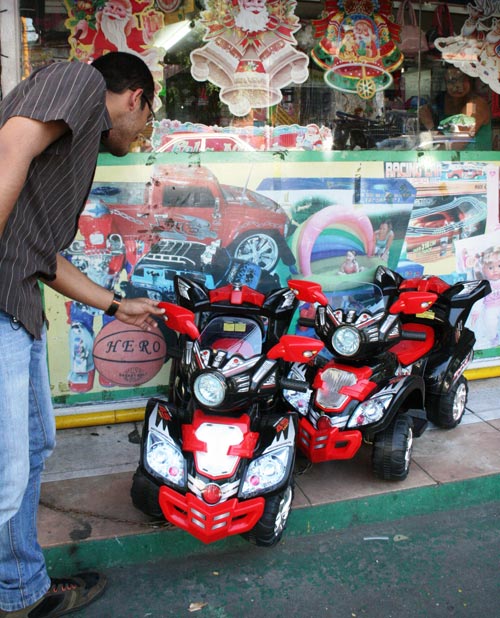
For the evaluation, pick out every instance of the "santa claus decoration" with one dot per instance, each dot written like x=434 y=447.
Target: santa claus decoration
x=357 y=45
x=102 y=26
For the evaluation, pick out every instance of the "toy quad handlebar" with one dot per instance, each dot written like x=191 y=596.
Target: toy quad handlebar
x=413 y=335
x=180 y=319
x=294 y=385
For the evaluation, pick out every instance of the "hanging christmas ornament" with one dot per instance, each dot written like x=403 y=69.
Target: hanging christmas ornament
x=357 y=45
x=250 y=52
x=100 y=26
x=476 y=50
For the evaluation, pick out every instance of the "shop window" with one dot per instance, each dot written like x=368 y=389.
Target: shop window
x=384 y=108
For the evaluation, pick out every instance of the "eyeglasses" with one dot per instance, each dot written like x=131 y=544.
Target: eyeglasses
x=151 y=116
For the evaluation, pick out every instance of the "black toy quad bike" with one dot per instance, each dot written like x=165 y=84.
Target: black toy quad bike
x=217 y=458
x=397 y=352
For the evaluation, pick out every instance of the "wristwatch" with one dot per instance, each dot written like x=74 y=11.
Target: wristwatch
x=115 y=304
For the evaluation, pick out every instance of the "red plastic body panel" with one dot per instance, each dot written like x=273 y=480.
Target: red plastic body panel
x=409 y=351
x=296 y=349
x=308 y=291
x=429 y=284
x=244 y=449
x=237 y=296
x=210 y=523
x=180 y=319
x=359 y=390
x=411 y=303
x=327 y=444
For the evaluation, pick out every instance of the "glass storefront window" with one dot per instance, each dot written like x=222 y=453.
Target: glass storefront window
x=403 y=106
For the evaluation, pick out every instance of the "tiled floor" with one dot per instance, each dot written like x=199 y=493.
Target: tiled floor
x=85 y=494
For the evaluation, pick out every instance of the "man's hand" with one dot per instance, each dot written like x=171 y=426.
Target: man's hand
x=139 y=312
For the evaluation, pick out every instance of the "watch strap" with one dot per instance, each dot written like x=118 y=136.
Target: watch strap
x=115 y=304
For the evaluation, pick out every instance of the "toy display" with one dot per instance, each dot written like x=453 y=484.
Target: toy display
x=397 y=352
x=219 y=224
x=217 y=458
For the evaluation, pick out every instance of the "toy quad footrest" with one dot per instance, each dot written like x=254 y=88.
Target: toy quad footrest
x=327 y=444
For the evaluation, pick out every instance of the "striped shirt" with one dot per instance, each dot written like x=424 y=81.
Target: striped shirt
x=45 y=217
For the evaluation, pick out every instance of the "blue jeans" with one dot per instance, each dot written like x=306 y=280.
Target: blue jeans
x=27 y=437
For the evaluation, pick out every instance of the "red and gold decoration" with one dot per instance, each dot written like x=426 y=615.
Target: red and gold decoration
x=357 y=45
x=250 y=52
x=101 y=26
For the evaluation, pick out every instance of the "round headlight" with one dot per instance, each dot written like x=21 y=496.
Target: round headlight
x=346 y=341
x=209 y=389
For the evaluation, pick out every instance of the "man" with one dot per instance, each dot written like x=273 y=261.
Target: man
x=51 y=128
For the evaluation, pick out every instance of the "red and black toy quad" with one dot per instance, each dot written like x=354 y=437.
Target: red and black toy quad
x=217 y=458
x=397 y=352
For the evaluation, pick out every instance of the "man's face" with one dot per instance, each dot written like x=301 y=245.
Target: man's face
x=126 y=129
x=457 y=84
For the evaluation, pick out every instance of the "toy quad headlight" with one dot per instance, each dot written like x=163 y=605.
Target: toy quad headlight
x=346 y=341
x=266 y=472
x=209 y=389
x=164 y=459
x=369 y=411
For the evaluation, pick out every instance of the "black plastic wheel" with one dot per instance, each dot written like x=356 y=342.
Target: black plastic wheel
x=269 y=529
x=451 y=408
x=392 y=450
x=144 y=494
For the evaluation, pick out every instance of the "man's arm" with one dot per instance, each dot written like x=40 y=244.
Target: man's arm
x=72 y=283
x=21 y=140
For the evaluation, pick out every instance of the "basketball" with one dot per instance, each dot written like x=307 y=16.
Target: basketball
x=126 y=355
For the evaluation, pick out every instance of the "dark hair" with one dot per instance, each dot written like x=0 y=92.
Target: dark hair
x=452 y=69
x=123 y=71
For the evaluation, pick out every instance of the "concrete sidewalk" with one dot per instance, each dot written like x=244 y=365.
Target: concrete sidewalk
x=86 y=517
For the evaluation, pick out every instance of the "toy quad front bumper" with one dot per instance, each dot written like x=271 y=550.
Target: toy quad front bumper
x=209 y=523
x=327 y=444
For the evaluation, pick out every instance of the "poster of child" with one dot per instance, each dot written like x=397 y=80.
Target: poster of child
x=350 y=265
x=383 y=237
x=479 y=258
